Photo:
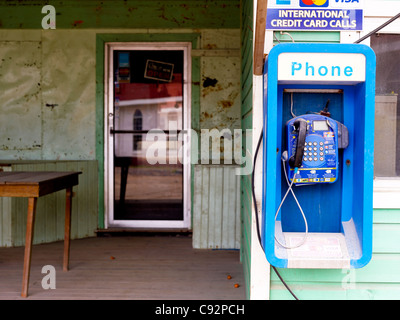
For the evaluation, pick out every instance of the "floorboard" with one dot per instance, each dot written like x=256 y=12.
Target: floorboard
x=128 y=267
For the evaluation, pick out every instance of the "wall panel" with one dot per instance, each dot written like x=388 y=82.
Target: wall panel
x=216 y=207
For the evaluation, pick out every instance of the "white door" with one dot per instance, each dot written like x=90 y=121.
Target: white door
x=147 y=165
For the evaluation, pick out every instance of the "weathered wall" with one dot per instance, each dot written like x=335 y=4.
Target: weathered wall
x=49 y=78
x=68 y=76
x=49 y=86
x=48 y=89
x=20 y=108
x=220 y=92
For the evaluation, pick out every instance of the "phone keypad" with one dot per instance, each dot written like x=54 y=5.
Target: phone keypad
x=313 y=153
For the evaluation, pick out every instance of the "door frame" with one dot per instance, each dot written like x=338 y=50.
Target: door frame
x=109 y=221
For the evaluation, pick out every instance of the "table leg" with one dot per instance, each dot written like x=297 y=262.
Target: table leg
x=67 y=230
x=28 y=245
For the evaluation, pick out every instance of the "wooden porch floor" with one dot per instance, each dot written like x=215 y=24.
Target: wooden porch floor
x=126 y=267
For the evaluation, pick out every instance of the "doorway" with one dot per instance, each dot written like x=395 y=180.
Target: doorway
x=147 y=150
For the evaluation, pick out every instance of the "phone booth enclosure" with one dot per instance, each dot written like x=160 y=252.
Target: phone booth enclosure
x=339 y=214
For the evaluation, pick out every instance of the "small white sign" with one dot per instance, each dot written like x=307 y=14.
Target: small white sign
x=316 y=247
x=318 y=67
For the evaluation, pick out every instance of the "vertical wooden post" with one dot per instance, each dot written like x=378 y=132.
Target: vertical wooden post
x=30 y=224
x=67 y=228
x=259 y=37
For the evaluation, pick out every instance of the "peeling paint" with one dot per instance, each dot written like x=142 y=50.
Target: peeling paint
x=207 y=115
x=211 y=46
x=225 y=103
x=77 y=23
x=209 y=82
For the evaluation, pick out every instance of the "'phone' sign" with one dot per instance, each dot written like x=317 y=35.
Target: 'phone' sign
x=313 y=67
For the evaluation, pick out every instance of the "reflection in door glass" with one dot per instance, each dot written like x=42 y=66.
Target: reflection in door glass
x=148 y=95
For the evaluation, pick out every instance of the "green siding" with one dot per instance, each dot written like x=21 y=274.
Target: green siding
x=380 y=279
x=216 y=207
x=5 y=218
x=307 y=36
x=247 y=123
x=195 y=113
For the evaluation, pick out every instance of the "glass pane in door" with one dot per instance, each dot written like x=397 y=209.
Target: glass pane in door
x=148 y=116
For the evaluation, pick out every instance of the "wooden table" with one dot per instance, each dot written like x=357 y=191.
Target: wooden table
x=34 y=185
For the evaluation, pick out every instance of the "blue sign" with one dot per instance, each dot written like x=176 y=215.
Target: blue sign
x=314 y=19
x=310 y=15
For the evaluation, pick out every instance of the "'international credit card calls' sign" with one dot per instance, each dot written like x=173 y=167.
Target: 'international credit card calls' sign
x=328 y=15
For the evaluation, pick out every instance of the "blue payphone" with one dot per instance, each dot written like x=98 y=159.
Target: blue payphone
x=319 y=110
x=313 y=147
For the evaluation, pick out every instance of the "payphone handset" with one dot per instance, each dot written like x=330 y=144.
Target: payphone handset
x=312 y=145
